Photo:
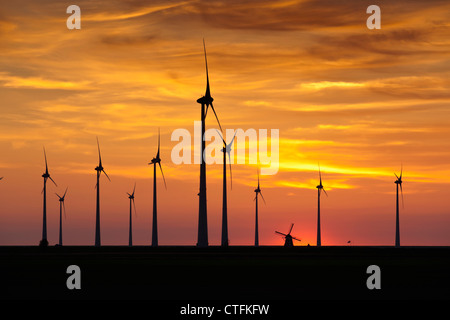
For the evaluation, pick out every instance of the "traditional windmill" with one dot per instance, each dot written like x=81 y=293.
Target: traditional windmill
x=288 y=238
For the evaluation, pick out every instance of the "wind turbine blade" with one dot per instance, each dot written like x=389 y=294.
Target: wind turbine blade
x=224 y=143
x=212 y=107
x=99 y=155
x=280 y=233
x=325 y=192
x=134 y=206
x=45 y=157
x=159 y=142
x=401 y=171
x=134 y=189
x=401 y=191
x=257 y=171
x=65 y=192
x=162 y=173
x=128 y=194
x=293 y=238
x=106 y=175
x=52 y=180
x=231 y=176
x=291 y=229
x=262 y=197
x=232 y=139
x=320 y=176
x=64 y=209
x=396 y=176
x=207 y=93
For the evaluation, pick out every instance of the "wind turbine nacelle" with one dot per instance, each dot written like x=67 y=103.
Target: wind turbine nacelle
x=205 y=100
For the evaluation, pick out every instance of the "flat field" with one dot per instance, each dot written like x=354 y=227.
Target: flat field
x=233 y=274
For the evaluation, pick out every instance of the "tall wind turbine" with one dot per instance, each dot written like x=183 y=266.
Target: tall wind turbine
x=319 y=190
x=226 y=150
x=257 y=191
x=61 y=207
x=46 y=176
x=131 y=197
x=398 y=182
x=99 y=170
x=156 y=160
x=205 y=101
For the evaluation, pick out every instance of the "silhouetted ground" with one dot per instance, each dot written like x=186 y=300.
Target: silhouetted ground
x=234 y=274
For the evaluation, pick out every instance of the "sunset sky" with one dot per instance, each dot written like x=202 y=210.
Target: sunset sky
x=361 y=102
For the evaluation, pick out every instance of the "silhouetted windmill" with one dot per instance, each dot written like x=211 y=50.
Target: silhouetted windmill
x=61 y=207
x=226 y=150
x=319 y=190
x=205 y=101
x=398 y=182
x=156 y=160
x=132 y=204
x=99 y=170
x=257 y=191
x=46 y=176
x=288 y=238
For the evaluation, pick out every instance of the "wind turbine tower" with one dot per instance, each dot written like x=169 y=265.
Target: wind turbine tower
x=398 y=183
x=99 y=170
x=319 y=190
x=156 y=160
x=258 y=192
x=61 y=207
x=132 y=204
x=205 y=101
x=46 y=176
x=226 y=150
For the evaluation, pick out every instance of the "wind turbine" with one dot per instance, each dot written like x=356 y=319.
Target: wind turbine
x=206 y=102
x=46 y=176
x=226 y=150
x=99 y=170
x=61 y=207
x=156 y=160
x=132 y=204
x=398 y=182
x=257 y=191
x=319 y=190
x=288 y=238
